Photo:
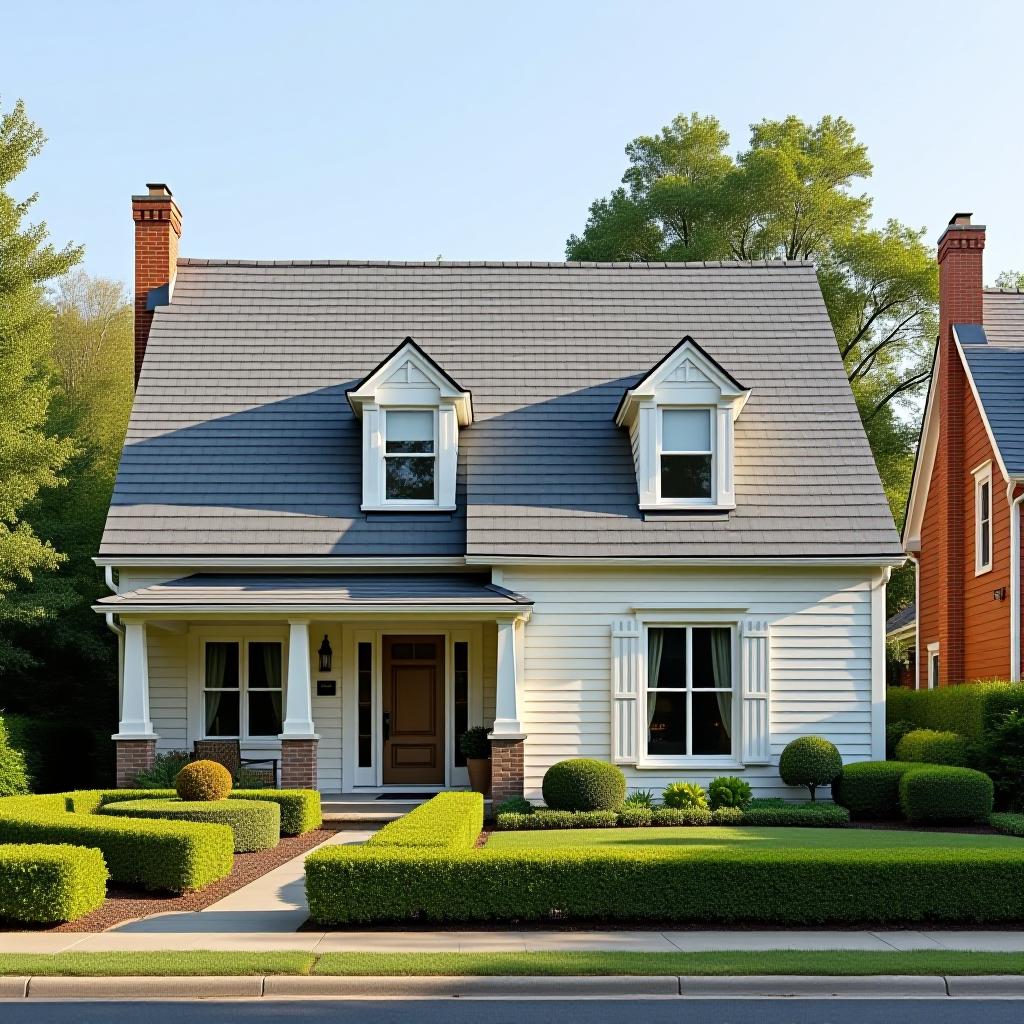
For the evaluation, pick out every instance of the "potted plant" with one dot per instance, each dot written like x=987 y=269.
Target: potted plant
x=476 y=748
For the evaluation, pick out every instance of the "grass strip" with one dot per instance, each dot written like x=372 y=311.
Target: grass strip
x=816 y=962
x=170 y=964
x=716 y=963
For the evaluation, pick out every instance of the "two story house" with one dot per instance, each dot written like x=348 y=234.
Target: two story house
x=962 y=527
x=624 y=511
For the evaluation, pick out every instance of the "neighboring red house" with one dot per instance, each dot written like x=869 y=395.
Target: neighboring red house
x=963 y=520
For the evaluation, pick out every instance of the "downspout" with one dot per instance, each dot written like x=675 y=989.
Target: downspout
x=118 y=630
x=1014 y=579
x=917 y=619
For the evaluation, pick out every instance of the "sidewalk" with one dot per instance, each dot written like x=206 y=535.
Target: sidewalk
x=507 y=941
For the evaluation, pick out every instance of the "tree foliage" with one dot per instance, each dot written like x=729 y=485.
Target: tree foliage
x=32 y=456
x=1011 y=281
x=793 y=193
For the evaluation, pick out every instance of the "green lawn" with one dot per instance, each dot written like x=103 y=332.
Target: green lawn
x=201 y=962
x=748 y=837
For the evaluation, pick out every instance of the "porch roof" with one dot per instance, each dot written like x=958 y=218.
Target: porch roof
x=254 y=592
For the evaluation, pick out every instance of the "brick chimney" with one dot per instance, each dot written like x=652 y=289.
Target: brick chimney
x=157 y=230
x=960 y=302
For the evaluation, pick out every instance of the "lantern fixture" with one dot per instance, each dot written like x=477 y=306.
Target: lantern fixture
x=325 y=653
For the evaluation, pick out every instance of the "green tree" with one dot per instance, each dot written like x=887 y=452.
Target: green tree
x=1011 y=281
x=31 y=457
x=73 y=671
x=792 y=194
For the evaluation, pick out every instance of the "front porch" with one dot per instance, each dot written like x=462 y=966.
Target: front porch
x=358 y=685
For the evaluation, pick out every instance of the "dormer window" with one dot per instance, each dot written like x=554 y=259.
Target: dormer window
x=410 y=455
x=411 y=412
x=680 y=420
x=687 y=456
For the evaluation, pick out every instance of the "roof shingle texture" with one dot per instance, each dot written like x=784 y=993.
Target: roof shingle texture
x=997 y=368
x=241 y=441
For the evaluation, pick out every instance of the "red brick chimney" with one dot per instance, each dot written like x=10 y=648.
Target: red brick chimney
x=157 y=230
x=960 y=302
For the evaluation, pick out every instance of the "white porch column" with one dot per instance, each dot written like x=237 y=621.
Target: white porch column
x=507 y=724
x=135 y=723
x=298 y=710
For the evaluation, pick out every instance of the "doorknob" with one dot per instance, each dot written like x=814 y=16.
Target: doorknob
x=387 y=725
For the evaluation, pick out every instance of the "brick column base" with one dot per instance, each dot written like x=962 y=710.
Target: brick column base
x=506 y=770
x=133 y=756
x=298 y=764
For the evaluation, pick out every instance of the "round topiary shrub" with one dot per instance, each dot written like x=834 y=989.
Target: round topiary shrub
x=203 y=780
x=255 y=824
x=514 y=805
x=946 y=793
x=685 y=796
x=728 y=791
x=929 y=746
x=584 y=784
x=810 y=761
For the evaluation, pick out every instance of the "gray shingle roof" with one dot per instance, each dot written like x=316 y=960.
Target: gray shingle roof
x=241 y=590
x=903 y=618
x=241 y=441
x=997 y=368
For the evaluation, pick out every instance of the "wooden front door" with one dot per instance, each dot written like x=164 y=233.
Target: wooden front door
x=413 y=710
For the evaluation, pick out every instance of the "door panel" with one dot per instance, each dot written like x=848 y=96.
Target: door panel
x=413 y=708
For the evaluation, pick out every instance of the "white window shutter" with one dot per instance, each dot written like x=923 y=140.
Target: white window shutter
x=625 y=691
x=755 y=654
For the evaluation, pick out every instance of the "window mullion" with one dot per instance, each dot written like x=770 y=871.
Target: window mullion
x=689 y=691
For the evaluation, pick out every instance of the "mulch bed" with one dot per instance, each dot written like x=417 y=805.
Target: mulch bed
x=125 y=904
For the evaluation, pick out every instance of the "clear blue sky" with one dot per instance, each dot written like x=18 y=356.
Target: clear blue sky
x=316 y=129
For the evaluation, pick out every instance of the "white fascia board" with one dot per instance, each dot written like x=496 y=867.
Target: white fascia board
x=981 y=408
x=822 y=561
x=508 y=612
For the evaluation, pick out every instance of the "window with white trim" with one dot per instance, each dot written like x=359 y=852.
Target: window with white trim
x=933 y=666
x=410 y=455
x=243 y=689
x=983 y=519
x=686 y=455
x=688 y=704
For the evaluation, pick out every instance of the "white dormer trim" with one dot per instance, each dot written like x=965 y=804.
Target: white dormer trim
x=409 y=379
x=687 y=378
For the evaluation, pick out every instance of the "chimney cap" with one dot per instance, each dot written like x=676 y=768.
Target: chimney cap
x=158 y=188
x=958 y=219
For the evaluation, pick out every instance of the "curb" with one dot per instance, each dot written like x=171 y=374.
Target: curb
x=518 y=986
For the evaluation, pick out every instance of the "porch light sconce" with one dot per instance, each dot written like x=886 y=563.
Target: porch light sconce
x=999 y=594
x=325 y=653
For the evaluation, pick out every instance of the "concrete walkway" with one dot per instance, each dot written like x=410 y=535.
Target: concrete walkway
x=508 y=941
x=275 y=902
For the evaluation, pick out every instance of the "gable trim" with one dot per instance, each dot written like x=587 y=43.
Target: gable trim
x=363 y=390
x=737 y=389
x=981 y=405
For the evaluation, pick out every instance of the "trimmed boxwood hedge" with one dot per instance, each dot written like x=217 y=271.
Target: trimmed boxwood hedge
x=797 y=815
x=346 y=885
x=42 y=884
x=172 y=855
x=930 y=746
x=944 y=793
x=447 y=821
x=300 y=808
x=970 y=709
x=255 y=824
x=871 y=789
x=1011 y=824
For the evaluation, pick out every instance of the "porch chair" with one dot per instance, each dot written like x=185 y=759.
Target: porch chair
x=229 y=754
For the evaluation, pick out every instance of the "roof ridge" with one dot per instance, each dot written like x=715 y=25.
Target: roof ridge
x=191 y=261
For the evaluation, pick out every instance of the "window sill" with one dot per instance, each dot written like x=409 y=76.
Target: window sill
x=983 y=570
x=407 y=508
x=696 y=763
x=648 y=506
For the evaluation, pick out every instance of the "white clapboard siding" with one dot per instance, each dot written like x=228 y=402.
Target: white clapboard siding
x=819 y=668
x=168 y=689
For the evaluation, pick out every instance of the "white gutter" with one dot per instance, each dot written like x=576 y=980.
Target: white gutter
x=112 y=624
x=917 y=620
x=1015 y=567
